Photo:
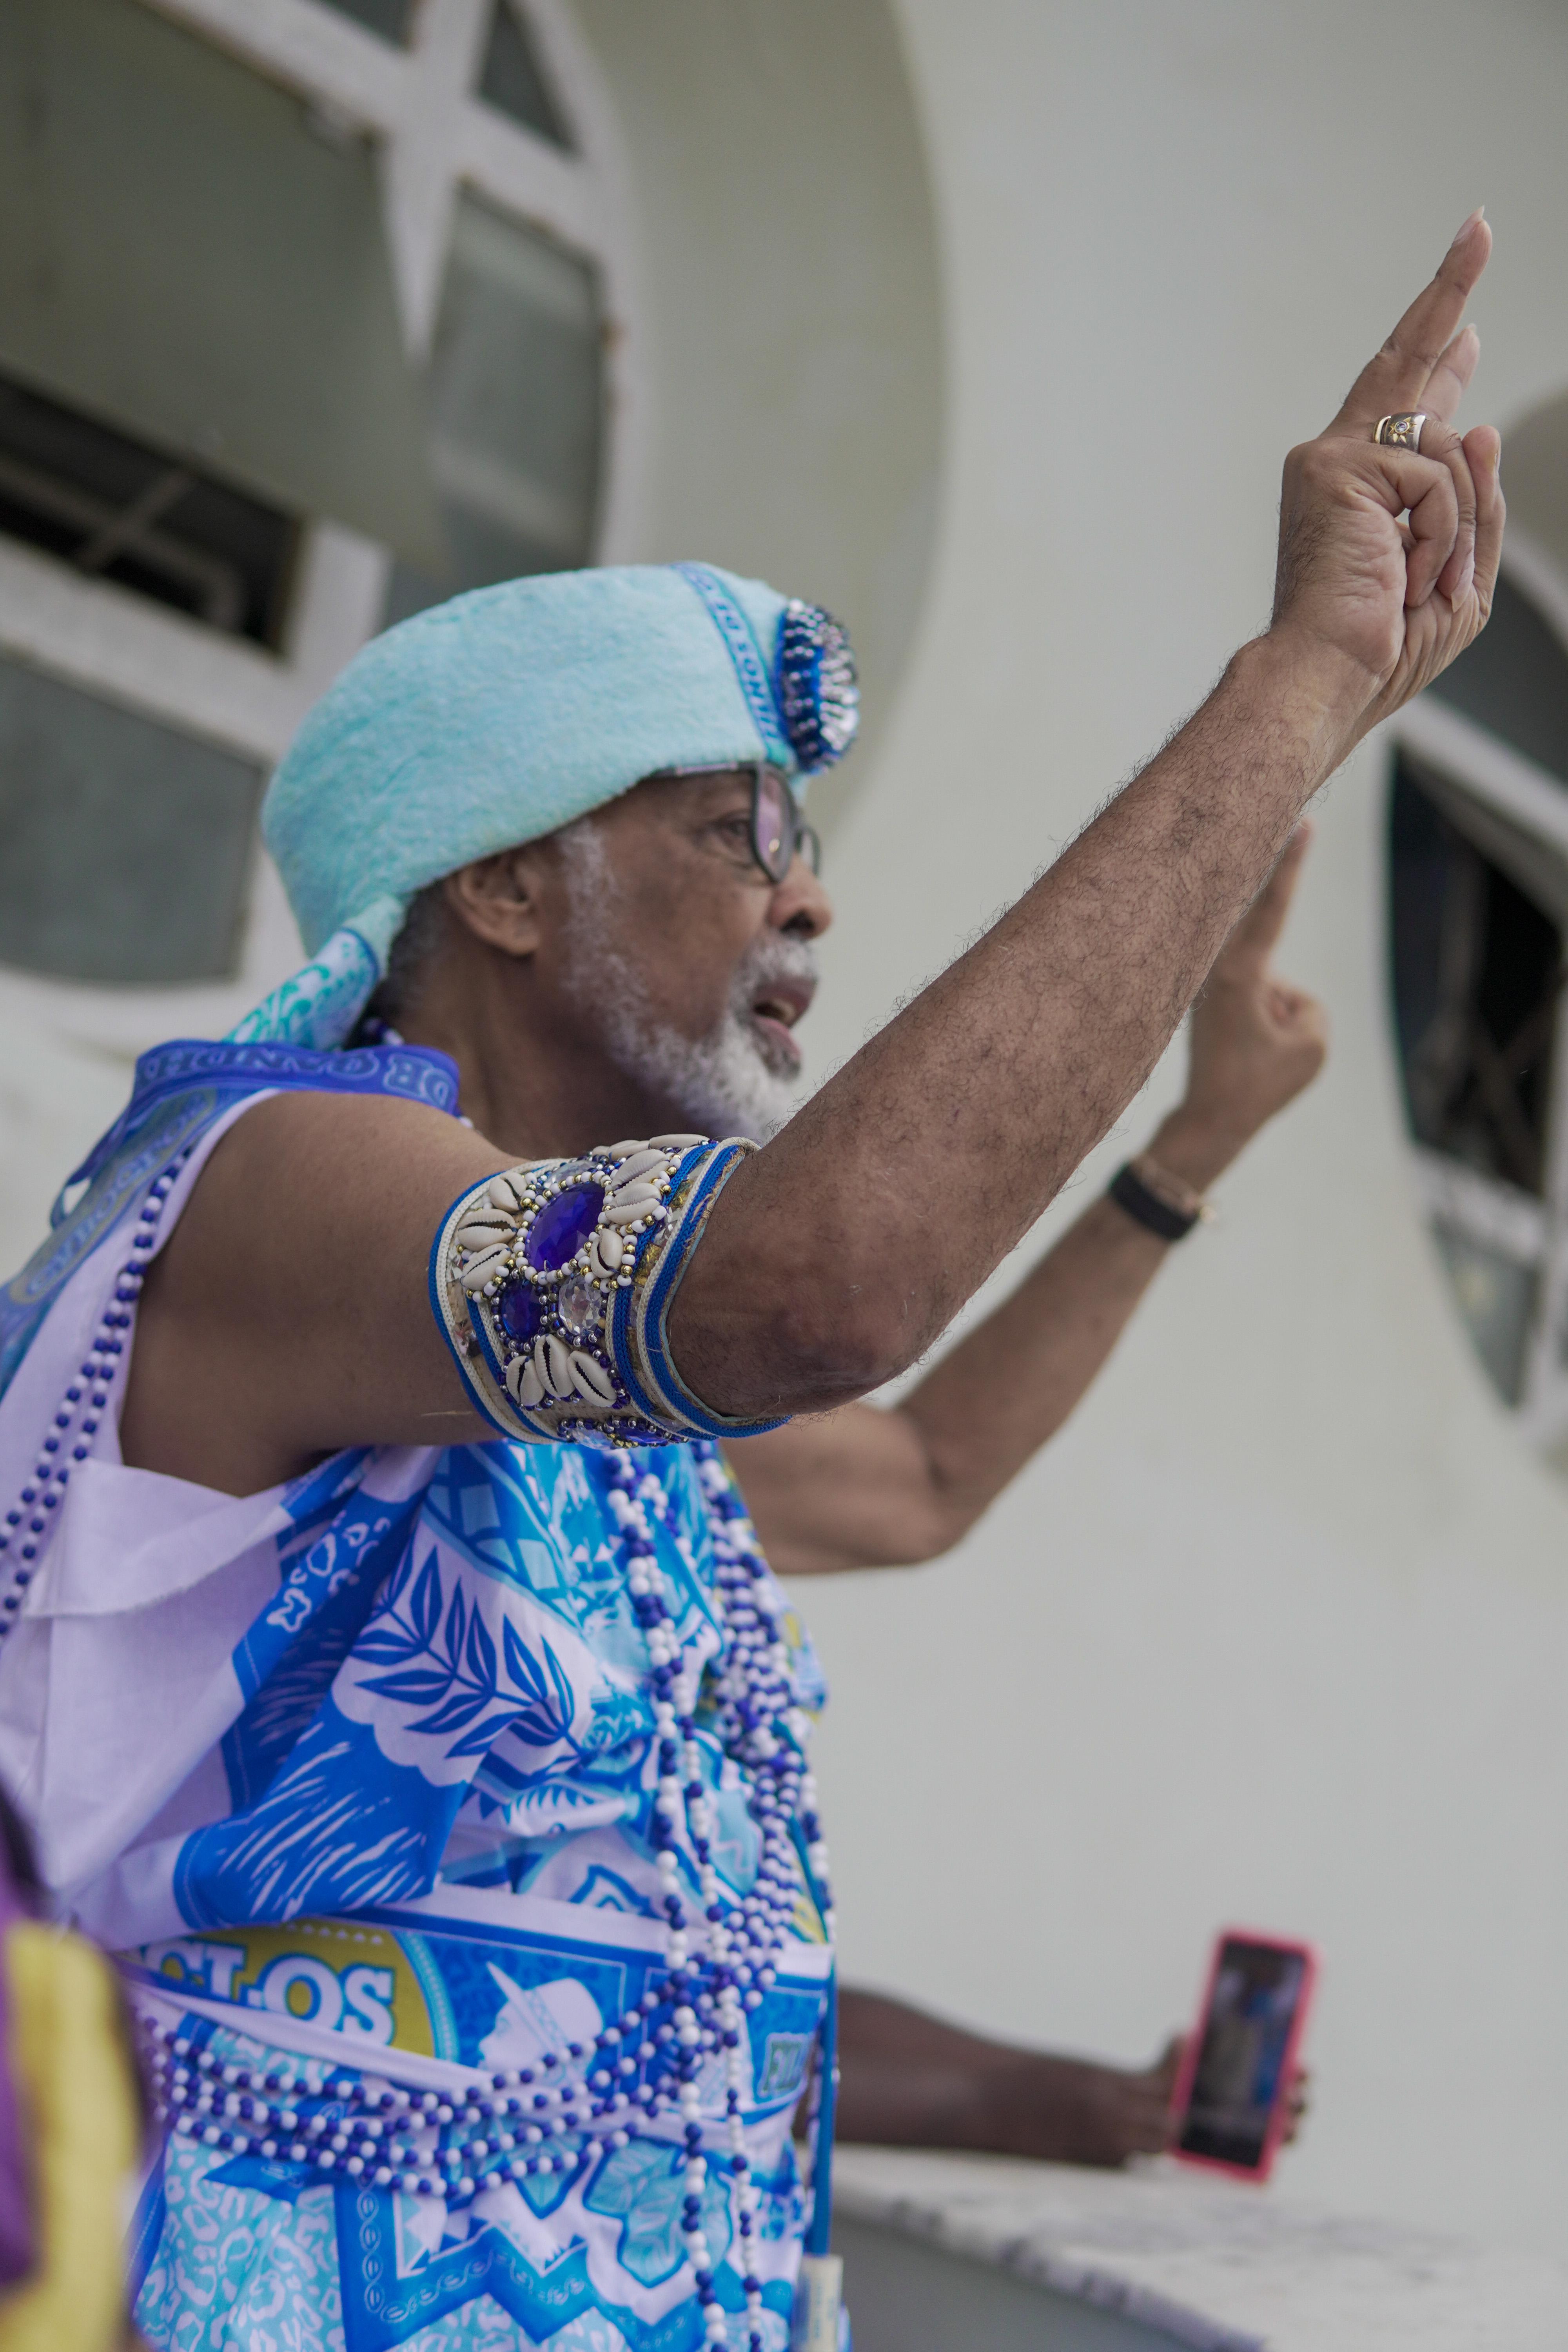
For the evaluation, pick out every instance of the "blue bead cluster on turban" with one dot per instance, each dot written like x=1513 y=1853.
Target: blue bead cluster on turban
x=497 y=718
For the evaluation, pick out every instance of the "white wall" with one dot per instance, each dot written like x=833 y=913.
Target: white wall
x=794 y=356
x=1274 y=1632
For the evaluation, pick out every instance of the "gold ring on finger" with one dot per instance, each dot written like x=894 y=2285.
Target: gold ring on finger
x=1400 y=432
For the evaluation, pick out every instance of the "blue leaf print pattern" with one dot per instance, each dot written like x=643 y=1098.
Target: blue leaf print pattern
x=646 y=2182
x=546 y=1720
x=457 y=1677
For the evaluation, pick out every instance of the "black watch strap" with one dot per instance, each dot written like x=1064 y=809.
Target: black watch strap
x=1129 y=1191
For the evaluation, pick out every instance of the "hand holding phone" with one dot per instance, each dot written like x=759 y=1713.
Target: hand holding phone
x=1231 y=2106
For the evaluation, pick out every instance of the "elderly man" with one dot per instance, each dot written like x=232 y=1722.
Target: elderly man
x=391 y=1667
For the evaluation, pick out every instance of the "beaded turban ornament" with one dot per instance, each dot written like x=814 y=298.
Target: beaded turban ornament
x=499 y=717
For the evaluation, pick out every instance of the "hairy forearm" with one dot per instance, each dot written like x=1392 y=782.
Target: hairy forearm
x=841 y=1252
x=869 y=1486
x=995 y=1399
x=872 y=1488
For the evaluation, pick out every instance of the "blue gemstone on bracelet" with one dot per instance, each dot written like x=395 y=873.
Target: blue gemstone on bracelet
x=563 y=1225
x=519 y=1314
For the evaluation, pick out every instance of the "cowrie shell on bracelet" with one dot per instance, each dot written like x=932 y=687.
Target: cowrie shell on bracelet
x=591 y=1380
x=605 y=1252
x=484 y=1269
x=522 y=1379
x=482 y=1235
x=637 y=1165
x=677 y=1142
x=555 y=1364
x=502 y=1194
x=621 y=1208
x=622 y=1151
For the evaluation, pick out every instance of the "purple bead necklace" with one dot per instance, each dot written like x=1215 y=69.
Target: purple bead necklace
x=29 y=1522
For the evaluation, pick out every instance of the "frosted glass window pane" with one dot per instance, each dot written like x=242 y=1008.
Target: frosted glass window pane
x=124 y=846
x=516 y=399
x=185 y=258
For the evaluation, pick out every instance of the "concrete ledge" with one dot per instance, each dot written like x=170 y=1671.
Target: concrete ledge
x=949 y=2252
x=906 y=2296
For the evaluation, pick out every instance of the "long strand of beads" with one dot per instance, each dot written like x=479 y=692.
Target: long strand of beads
x=743 y=1578
x=700 y=1994
x=560 y=2113
x=29 y=1522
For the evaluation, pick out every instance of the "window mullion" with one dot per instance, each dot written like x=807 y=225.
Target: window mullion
x=312 y=52
x=100 y=637
x=420 y=160
x=1493 y=771
x=527 y=176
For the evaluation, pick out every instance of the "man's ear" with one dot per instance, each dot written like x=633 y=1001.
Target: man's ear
x=501 y=899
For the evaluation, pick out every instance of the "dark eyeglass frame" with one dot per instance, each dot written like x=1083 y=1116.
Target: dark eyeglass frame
x=779 y=833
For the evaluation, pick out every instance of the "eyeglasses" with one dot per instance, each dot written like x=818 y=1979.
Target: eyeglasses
x=779 y=833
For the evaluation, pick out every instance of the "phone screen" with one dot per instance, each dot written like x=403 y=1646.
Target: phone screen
x=1246 y=2033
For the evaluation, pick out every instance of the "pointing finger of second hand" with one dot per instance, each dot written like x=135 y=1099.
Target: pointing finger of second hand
x=1447 y=384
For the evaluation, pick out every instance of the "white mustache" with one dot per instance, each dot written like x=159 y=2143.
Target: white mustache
x=773 y=955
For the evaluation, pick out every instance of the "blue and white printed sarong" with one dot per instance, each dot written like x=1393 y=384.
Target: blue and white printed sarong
x=361 y=1770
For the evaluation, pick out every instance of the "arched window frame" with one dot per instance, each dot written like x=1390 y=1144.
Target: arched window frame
x=1500 y=779
x=435 y=139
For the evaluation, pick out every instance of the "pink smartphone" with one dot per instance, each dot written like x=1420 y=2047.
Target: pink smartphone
x=1232 y=2100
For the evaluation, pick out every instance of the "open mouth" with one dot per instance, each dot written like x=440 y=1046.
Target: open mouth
x=777 y=1006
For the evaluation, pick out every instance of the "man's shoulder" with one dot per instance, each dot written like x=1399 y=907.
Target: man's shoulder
x=303 y=1138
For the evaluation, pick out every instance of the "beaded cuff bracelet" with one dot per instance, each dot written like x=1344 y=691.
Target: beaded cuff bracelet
x=551 y=1284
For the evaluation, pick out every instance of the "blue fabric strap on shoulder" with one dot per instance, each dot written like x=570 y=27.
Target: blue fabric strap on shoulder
x=751 y=670
x=181 y=1088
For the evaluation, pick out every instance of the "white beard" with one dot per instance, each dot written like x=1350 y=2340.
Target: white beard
x=727 y=1083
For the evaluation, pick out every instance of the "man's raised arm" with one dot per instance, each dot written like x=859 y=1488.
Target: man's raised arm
x=836 y=1257
x=288 y=1316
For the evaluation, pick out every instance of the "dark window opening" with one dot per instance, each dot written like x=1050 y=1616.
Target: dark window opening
x=116 y=510
x=1477 y=972
x=513 y=81
x=1514 y=681
x=387 y=17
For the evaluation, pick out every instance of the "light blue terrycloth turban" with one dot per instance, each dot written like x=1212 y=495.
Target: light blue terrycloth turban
x=496 y=717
